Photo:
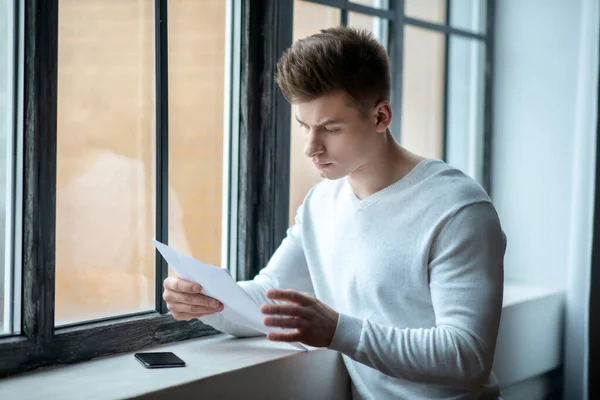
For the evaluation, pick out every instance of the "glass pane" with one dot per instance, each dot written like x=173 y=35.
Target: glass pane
x=309 y=18
x=469 y=15
x=466 y=81
x=423 y=92
x=196 y=89
x=426 y=10
x=375 y=25
x=383 y=4
x=7 y=109
x=105 y=179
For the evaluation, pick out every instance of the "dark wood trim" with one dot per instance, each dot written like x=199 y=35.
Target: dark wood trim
x=594 y=305
x=396 y=51
x=445 y=95
x=488 y=112
x=264 y=143
x=443 y=28
x=85 y=342
x=39 y=170
x=16 y=354
x=330 y=3
x=162 y=147
x=372 y=11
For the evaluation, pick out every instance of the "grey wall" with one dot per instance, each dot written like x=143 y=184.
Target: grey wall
x=534 y=114
x=545 y=97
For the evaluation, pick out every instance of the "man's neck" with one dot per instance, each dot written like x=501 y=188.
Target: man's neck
x=389 y=164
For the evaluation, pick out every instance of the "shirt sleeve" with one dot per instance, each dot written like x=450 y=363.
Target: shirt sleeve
x=287 y=269
x=466 y=273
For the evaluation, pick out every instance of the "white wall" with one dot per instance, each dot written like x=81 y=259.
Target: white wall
x=535 y=81
x=545 y=96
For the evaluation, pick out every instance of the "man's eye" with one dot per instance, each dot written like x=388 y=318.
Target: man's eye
x=331 y=130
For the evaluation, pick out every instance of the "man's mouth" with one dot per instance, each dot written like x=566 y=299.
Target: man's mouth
x=321 y=165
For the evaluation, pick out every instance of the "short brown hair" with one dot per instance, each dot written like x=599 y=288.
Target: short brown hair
x=340 y=59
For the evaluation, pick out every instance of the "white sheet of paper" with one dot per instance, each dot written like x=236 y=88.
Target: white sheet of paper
x=217 y=283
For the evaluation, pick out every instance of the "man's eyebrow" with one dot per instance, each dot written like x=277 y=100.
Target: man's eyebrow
x=324 y=123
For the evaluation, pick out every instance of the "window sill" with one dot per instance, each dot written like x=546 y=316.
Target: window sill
x=530 y=338
x=529 y=343
x=210 y=364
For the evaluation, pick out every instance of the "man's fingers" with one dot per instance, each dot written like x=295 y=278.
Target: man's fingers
x=179 y=316
x=191 y=309
x=179 y=285
x=285 y=309
x=191 y=299
x=290 y=295
x=297 y=323
x=284 y=337
x=184 y=316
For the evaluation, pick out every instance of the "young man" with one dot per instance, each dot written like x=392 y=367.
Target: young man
x=394 y=260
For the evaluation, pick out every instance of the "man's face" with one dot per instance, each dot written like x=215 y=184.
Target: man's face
x=339 y=140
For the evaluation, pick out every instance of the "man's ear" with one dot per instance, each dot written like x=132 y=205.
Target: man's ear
x=383 y=116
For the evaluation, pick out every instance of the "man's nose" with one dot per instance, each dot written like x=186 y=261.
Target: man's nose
x=313 y=146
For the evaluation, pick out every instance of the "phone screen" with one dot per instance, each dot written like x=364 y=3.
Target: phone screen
x=160 y=360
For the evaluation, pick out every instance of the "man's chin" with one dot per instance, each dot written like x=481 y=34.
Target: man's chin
x=330 y=175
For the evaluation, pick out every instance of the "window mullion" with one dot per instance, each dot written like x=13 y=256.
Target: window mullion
x=344 y=13
x=39 y=170
x=396 y=46
x=264 y=142
x=446 y=95
x=488 y=95
x=162 y=146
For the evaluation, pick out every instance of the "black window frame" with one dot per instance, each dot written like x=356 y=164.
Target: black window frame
x=264 y=212
x=593 y=332
x=40 y=343
x=262 y=203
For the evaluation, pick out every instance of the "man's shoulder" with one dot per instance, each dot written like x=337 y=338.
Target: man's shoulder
x=450 y=187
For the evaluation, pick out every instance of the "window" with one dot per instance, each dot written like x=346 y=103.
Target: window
x=423 y=91
x=105 y=159
x=106 y=186
x=438 y=59
x=106 y=180
x=125 y=139
x=197 y=45
x=445 y=81
x=426 y=10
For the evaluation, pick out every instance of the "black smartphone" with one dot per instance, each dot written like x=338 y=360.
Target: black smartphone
x=160 y=360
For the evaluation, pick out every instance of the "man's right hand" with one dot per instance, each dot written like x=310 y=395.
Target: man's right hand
x=185 y=301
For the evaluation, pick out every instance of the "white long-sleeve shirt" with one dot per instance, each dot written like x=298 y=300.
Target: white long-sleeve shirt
x=416 y=273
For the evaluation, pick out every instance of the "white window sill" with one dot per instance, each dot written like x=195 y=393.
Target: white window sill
x=528 y=344
x=207 y=359
x=531 y=333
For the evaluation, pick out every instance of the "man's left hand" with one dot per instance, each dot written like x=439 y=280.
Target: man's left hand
x=314 y=321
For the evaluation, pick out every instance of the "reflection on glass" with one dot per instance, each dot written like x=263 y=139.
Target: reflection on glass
x=466 y=82
x=423 y=92
x=105 y=180
x=377 y=26
x=427 y=10
x=196 y=89
x=308 y=19
x=382 y=4
x=469 y=15
x=6 y=133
